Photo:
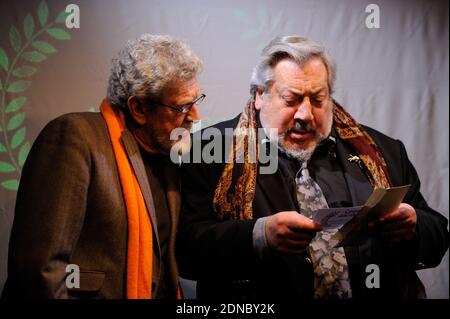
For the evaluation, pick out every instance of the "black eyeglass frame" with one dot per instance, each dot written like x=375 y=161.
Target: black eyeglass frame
x=186 y=107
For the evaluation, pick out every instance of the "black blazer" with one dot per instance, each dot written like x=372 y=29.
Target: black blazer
x=220 y=254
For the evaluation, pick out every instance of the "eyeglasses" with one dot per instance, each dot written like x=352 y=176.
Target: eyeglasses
x=186 y=107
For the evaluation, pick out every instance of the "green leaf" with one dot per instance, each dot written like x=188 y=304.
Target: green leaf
x=61 y=18
x=24 y=71
x=16 y=104
x=1 y=85
x=43 y=12
x=15 y=121
x=18 y=138
x=4 y=60
x=14 y=37
x=34 y=56
x=28 y=26
x=58 y=33
x=2 y=148
x=23 y=153
x=44 y=47
x=6 y=167
x=18 y=86
x=12 y=184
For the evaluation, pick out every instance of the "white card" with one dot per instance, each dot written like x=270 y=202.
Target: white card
x=334 y=218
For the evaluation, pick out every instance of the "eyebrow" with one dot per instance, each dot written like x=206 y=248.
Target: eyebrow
x=315 y=92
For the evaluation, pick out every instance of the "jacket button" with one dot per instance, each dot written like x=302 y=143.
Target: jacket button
x=308 y=260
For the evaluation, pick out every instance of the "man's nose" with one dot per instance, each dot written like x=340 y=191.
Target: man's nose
x=304 y=111
x=193 y=114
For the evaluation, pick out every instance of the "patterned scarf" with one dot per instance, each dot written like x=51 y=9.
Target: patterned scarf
x=235 y=191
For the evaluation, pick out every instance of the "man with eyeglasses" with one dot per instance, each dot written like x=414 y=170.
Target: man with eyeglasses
x=246 y=234
x=97 y=207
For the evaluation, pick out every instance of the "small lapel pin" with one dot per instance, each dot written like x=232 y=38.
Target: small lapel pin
x=354 y=159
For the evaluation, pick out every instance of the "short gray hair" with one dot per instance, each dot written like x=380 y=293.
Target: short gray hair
x=146 y=65
x=300 y=50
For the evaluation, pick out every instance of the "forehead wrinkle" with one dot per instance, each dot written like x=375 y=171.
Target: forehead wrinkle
x=310 y=77
x=301 y=92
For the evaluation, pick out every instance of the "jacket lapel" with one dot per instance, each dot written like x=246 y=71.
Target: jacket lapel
x=172 y=193
x=135 y=159
x=173 y=202
x=360 y=189
x=357 y=182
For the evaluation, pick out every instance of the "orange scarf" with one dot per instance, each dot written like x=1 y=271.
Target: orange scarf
x=140 y=236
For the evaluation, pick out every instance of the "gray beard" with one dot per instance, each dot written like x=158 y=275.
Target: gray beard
x=304 y=154
x=298 y=154
x=164 y=144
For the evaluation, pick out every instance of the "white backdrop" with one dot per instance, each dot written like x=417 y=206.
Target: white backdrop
x=393 y=78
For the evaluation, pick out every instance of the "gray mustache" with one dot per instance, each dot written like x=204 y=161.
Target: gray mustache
x=302 y=126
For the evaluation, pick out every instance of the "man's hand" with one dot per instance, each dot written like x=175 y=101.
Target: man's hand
x=290 y=232
x=399 y=225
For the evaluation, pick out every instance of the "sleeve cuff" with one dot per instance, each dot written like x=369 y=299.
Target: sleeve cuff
x=259 y=238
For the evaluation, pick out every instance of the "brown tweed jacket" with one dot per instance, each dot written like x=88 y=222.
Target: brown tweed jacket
x=70 y=210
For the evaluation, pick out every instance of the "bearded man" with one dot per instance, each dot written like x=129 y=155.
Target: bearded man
x=245 y=234
x=98 y=201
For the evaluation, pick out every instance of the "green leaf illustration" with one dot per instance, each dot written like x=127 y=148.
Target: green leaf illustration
x=14 y=37
x=34 y=56
x=18 y=86
x=28 y=26
x=15 y=121
x=26 y=44
x=58 y=33
x=24 y=71
x=6 y=167
x=44 y=47
x=61 y=18
x=43 y=12
x=12 y=184
x=4 y=60
x=23 y=153
x=18 y=138
x=16 y=104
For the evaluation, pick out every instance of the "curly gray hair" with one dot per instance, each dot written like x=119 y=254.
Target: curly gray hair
x=146 y=65
x=299 y=49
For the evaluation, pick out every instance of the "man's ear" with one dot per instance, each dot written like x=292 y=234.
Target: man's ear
x=137 y=110
x=258 y=99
